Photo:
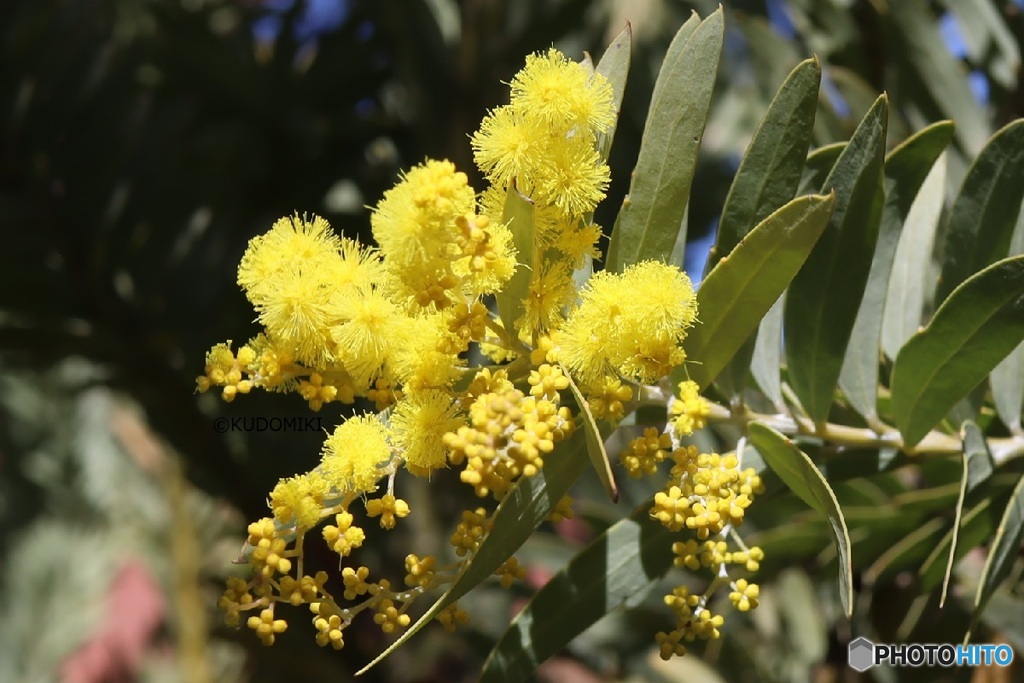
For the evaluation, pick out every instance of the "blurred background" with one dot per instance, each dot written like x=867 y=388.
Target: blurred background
x=144 y=142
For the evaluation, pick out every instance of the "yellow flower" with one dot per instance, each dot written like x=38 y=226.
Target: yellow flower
x=355 y=455
x=572 y=176
x=365 y=337
x=552 y=290
x=506 y=145
x=290 y=275
x=299 y=499
x=690 y=411
x=631 y=323
x=419 y=423
x=563 y=93
x=415 y=221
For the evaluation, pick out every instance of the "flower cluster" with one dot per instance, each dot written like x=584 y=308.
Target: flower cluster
x=395 y=326
x=705 y=495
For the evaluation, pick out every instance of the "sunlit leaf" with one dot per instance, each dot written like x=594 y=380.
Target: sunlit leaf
x=766 y=179
x=803 y=478
x=595 y=441
x=977 y=467
x=980 y=323
x=527 y=505
x=518 y=215
x=984 y=213
x=614 y=66
x=905 y=298
x=620 y=565
x=824 y=297
x=905 y=170
x=735 y=296
x=650 y=219
x=1003 y=550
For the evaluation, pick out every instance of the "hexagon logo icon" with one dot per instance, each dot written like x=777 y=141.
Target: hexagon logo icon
x=862 y=654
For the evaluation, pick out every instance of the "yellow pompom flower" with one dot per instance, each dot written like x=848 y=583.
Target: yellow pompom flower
x=690 y=411
x=506 y=147
x=419 y=423
x=290 y=274
x=299 y=499
x=563 y=93
x=631 y=323
x=355 y=455
x=414 y=223
x=572 y=176
x=365 y=337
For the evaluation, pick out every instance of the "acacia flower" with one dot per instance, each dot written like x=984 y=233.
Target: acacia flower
x=355 y=455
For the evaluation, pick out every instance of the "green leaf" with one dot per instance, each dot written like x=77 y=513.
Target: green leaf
x=523 y=509
x=767 y=360
x=941 y=74
x=1002 y=551
x=799 y=473
x=770 y=171
x=651 y=215
x=907 y=551
x=1008 y=378
x=905 y=170
x=766 y=179
x=818 y=165
x=824 y=297
x=595 y=441
x=904 y=301
x=977 y=468
x=980 y=323
x=977 y=524
x=518 y=215
x=984 y=213
x=614 y=66
x=621 y=565
x=737 y=294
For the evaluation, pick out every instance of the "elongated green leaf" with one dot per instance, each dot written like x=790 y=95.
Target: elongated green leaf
x=770 y=171
x=904 y=301
x=620 y=566
x=518 y=215
x=651 y=215
x=802 y=476
x=905 y=170
x=735 y=296
x=941 y=73
x=980 y=323
x=523 y=509
x=614 y=66
x=595 y=441
x=767 y=361
x=818 y=165
x=1008 y=377
x=766 y=179
x=824 y=297
x=984 y=212
x=1003 y=550
x=977 y=525
x=977 y=467
x=906 y=552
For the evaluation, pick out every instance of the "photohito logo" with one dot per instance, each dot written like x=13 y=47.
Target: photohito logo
x=864 y=654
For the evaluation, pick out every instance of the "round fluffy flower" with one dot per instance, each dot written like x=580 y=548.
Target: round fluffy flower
x=299 y=499
x=365 y=335
x=563 y=93
x=631 y=323
x=419 y=423
x=415 y=220
x=291 y=274
x=355 y=455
